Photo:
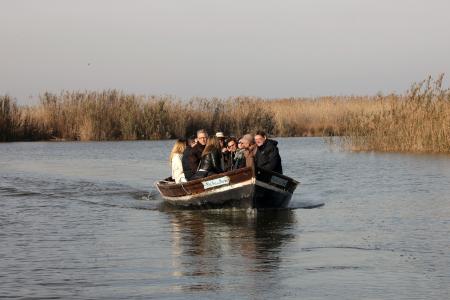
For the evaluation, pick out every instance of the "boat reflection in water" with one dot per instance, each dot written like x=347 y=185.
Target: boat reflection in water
x=223 y=249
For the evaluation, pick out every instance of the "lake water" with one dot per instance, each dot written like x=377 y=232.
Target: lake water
x=84 y=221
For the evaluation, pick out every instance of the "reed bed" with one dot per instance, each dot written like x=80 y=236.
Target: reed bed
x=113 y=115
x=418 y=121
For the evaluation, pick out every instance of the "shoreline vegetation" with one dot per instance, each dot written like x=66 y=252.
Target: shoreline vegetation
x=416 y=121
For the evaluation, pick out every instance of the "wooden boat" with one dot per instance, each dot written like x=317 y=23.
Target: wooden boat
x=241 y=188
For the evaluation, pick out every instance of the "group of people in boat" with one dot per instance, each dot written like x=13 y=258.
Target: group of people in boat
x=202 y=155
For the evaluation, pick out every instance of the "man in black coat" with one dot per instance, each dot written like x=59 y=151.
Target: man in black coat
x=267 y=156
x=192 y=156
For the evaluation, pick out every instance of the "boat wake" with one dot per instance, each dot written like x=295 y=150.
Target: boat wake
x=60 y=191
x=306 y=205
x=55 y=191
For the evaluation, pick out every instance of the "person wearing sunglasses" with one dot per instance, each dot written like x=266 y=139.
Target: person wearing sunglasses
x=229 y=153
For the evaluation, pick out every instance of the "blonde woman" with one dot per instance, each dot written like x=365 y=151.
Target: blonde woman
x=175 y=161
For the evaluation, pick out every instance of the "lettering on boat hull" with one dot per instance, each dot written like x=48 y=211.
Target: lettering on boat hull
x=216 y=182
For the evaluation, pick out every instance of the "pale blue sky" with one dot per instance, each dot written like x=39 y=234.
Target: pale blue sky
x=221 y=48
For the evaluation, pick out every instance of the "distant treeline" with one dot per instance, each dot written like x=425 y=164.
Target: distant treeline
x=416 y=121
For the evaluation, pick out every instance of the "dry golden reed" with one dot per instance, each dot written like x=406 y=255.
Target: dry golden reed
x=417 y=121
x=113 y=115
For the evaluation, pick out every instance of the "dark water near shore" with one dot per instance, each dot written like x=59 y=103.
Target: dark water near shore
x=83 y=220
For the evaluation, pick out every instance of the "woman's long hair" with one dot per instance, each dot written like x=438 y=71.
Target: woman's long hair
x=212 y=144
x=178 y=148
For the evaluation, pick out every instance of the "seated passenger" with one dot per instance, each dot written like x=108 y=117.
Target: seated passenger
x=211 y=159
x=246 y=152
x=221 y=138
x=267 y=156
x=192 y=155
x=229 y=154
x=223 y=148
x=192 y=141
x=175 y=160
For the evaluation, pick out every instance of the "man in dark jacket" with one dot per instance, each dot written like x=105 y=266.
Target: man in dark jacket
x=267 y=156
x=229 y=154
x=191 y=156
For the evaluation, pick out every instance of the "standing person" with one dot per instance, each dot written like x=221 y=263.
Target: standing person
x=175 y=161
x=267 y=155
x=192 y=155
x=210 y=162
x=246 y=152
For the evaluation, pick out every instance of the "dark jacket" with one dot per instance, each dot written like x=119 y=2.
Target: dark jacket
x=228 y=160
x=191 y=159
x=267 y=157
x=211 y=163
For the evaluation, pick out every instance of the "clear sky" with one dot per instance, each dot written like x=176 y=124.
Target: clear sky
x=221 y=48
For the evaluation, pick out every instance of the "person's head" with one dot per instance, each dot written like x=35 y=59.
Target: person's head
x=246 y=141
x=260 y=138
x=221 y=138
x=220 y=135
x=192 y=141
x=202 y=137
x=212 y=144
x=232 y=144
x=178 y=148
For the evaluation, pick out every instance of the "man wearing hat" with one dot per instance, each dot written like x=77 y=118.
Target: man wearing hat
x=223 y=146
x=221 y=138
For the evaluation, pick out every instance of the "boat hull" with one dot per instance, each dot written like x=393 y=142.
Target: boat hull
x=238 y=189
x=265 y=196
x=233 y=196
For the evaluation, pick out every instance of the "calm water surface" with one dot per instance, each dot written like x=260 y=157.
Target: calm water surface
x=84 y=221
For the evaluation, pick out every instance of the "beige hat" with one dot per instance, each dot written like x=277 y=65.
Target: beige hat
x=220 y=134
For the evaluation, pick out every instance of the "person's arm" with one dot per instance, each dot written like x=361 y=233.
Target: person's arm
x=271 y=159
x=274 y=159
x=249 y=158
x=177 y=169
x=186 y=164
x=216 y=161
